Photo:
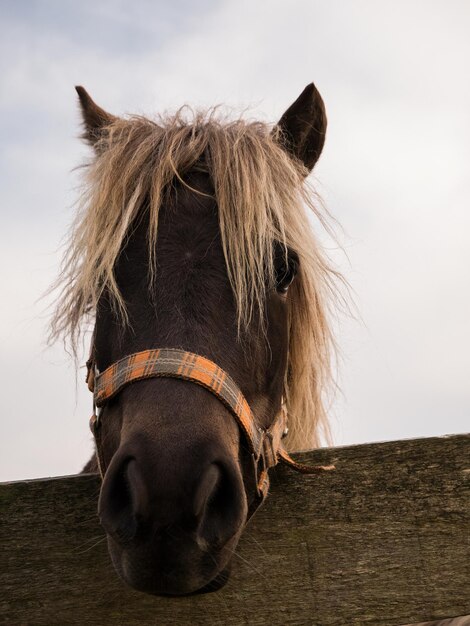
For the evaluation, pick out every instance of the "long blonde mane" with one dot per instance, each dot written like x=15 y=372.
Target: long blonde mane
x=262 y=197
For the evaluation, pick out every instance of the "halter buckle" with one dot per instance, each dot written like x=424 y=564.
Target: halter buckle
x=269 y=454
x=260 y=472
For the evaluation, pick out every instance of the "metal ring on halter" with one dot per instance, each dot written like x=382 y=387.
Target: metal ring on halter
x=96 y=409
x=95 y=421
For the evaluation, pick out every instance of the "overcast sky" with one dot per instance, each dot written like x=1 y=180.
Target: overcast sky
x=394 y=172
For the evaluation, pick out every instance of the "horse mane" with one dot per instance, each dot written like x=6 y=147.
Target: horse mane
x=262 y=196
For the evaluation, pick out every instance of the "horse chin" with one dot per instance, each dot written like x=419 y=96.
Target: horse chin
x=216 y=583
x=180 y=580
x=220 y=580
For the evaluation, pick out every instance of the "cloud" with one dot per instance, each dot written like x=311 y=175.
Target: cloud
x=394 y=172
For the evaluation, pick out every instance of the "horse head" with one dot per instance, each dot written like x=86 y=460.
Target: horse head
x=195 y=239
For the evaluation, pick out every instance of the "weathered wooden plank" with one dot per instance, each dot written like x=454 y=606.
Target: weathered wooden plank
x=382 y=540
x=453 y=621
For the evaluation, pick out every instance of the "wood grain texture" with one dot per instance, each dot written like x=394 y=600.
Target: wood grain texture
x=382 y=540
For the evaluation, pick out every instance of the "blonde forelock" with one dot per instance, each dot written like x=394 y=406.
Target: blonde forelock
x=262 y=197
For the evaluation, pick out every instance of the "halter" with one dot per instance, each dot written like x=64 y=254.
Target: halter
x=265 y=445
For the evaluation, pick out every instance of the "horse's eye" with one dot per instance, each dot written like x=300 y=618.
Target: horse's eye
x=285 y=274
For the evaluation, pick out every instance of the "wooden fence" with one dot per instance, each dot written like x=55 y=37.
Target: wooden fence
x=382 y=540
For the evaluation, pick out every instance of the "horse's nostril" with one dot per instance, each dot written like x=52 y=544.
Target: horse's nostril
x=206 y=488
x=217 y=503
x=123 y=500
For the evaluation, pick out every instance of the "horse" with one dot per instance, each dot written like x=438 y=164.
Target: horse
x=193 y=258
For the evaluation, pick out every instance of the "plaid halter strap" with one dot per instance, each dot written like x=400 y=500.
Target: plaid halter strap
x=265 y=445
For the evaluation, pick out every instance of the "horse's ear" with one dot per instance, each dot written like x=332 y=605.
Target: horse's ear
x=302 y=128
x=95 y=119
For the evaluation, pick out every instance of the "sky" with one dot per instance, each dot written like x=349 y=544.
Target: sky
x=394 y=173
